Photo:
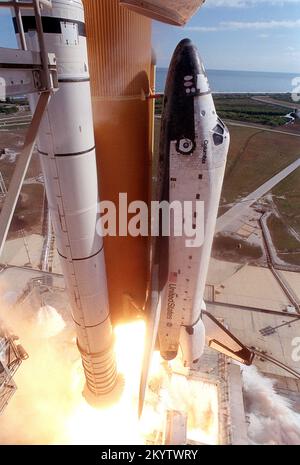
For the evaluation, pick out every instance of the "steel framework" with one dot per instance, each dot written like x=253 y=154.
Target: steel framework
x=22 y=72
x=11 y=356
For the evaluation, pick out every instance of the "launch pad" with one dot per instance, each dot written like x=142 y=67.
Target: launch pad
x=45 y=291
x=190 y=394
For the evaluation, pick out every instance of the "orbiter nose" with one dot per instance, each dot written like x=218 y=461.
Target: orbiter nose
x=187 y=70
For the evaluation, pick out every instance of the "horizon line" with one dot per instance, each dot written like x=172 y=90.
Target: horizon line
x=244 y=71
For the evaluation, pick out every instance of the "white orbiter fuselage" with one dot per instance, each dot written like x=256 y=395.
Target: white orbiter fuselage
x=193 y=151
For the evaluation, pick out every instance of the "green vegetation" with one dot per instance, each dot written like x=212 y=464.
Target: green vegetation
x=287 y=97
x=243 y=108
x=8 y=109
x=158 y=106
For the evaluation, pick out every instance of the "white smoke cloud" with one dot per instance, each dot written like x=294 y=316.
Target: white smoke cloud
x=272 y=421
x=49 y=322
x=50 y=386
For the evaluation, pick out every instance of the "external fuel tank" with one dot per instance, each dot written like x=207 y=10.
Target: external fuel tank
x=67 y=152
x=119 y=46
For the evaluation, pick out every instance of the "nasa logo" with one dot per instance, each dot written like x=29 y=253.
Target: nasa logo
x=204 y=158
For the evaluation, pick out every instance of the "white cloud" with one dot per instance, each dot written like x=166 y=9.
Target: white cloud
x=202 y=28
x=247 y=3
x=261 y=24
x=264 y=36
x=241 y=25
x=293 y=53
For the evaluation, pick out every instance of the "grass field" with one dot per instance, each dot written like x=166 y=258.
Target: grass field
x=282 y=239
x=254 y=157
x=287 y=199
x=286 y=229
x=283 y=98
x=7 y=109
x=243 y=108
x=286 y=244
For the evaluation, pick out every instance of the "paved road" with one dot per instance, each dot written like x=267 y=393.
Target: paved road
x=241 y=208
x=260 y=127
x=279 y=103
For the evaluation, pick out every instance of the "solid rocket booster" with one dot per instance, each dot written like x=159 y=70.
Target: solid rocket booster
x=67 y=152
x=193 y=152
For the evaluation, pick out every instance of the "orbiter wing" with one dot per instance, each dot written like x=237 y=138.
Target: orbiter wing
x=219 y=338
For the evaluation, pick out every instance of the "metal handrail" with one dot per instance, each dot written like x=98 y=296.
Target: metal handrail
x=46 y=92
x=17 y=5
x=25 y=4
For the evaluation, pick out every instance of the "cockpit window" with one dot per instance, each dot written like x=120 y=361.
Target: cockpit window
x=218 y=139
x=221 y=123
x=218 y=129
x=218 y=133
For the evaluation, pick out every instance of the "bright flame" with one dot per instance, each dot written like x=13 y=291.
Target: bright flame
x=49 y=408
x=119 y=424
x=116 y=424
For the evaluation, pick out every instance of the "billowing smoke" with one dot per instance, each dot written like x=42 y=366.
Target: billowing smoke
x=49 y=322
x=272 y=420
x=36 y=413
x=48 y=407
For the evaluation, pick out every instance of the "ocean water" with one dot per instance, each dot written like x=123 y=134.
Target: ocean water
x=240 y=81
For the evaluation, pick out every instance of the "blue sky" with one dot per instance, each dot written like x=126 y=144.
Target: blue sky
x=256 y=35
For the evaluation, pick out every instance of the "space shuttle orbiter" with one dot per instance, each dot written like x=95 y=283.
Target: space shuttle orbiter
x=193 y=150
